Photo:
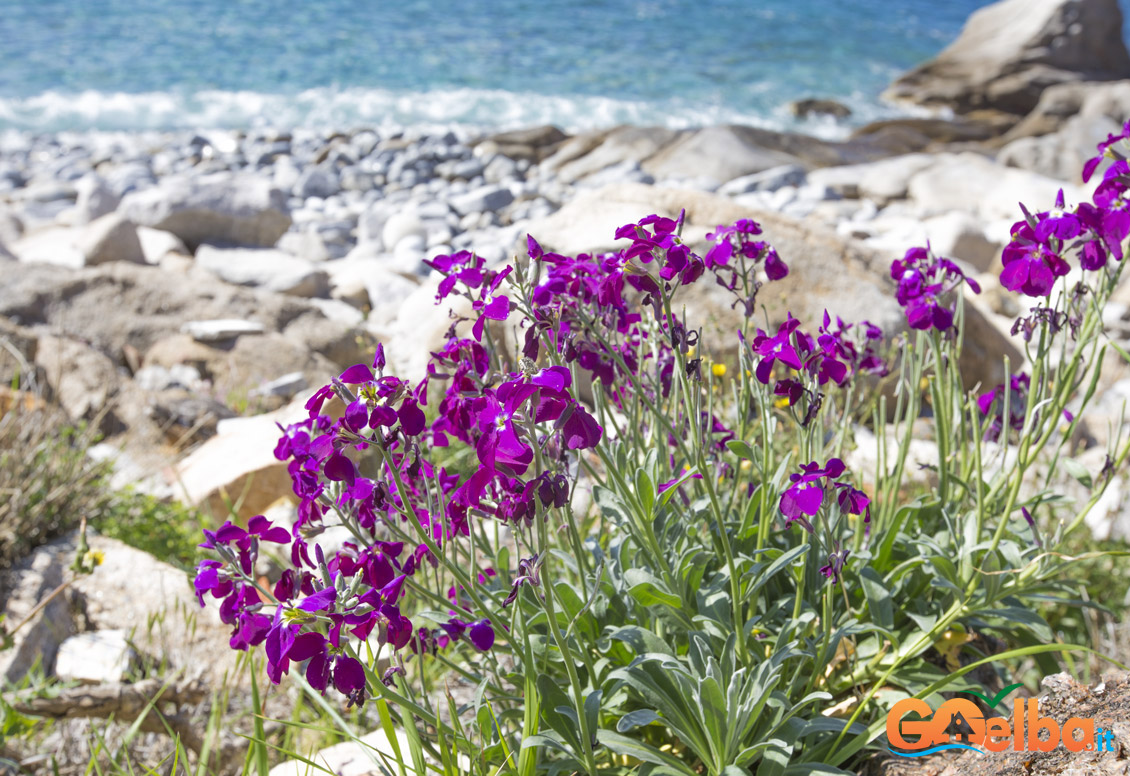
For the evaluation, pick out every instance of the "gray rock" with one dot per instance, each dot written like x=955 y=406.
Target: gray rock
x=589 y=153
x=221 y=330
x=111 y=238
x=156 y=244
x=362 y=757
x=25 y=587
x=501 y=169
x=158 y=378
x=364 y=143
x=959 y=236
x=466 y=169
x=627 y=171
x=719 y=153
x=48 y=191
x=263 y=267
x=483 y=199
x=433 y=209
x=286 y=386
x=819 y=107
x=767 y=180
x=285 y=174
x=305 y=243
x=99 y=656
x=1061 y=133
x=233 y=208
x=54 y=245
x=130 y=177
x=11 y=227
x=400 y=225
x=95 y=199
x=972 y=183
x=317 y=181
x=387 y=292
x=1009 y=52
x=354 y=179
x=338 y=311
x=83 y=380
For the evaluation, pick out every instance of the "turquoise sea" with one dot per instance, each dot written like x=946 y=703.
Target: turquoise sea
x=160 y=64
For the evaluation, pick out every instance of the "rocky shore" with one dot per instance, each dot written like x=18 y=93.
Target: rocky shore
x=162 y=284
x=186 y=291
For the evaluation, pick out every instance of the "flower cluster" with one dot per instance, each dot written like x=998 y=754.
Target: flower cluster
x=992 y=405
x=833 y=356
x=735 y=243
x=925 y=282
x=360 y=458
x=1093 y=232
x=806 y=495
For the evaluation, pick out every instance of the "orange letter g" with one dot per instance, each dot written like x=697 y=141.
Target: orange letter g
x=921 y=728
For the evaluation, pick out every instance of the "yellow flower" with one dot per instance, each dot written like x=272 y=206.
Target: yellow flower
x=719 y=370
x=781 y=403
x=93 y=559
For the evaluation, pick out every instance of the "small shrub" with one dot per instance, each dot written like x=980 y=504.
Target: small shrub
x=46 y=479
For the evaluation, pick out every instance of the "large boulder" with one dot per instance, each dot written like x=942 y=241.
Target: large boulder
x=717 y=153
x=237 y=469
x=826 y=271
x=131 y=589
x=620 y=145
x=55 y=245
x=976 y=184
x=532 y=144
x=242 y=209
x=1009 y=52
x=880 y=181
x=111 y=238
x=119 y=306
x=264 y=268
x=236 y=368
x=1061 y=133
x=82 y=380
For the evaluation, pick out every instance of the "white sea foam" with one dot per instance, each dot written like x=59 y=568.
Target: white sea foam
x=352 y=107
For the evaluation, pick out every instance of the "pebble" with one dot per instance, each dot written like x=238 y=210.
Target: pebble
x=220 y=330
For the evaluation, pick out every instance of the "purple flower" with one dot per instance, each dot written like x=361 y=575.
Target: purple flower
x=326 y=662
x=836 y=561
x=491 y=307
x=1031 y=268
x=482 y=635
x=1057 y=223
x=792 y=390
x=922 y=282
x=803 y=499
x=580 y=429
x=991 y=404
x=528 y=572
x=776 y=348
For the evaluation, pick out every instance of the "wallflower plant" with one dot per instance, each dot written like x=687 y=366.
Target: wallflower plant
x=642 y=564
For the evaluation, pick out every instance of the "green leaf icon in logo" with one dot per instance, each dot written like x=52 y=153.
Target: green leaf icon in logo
x=992 y=702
